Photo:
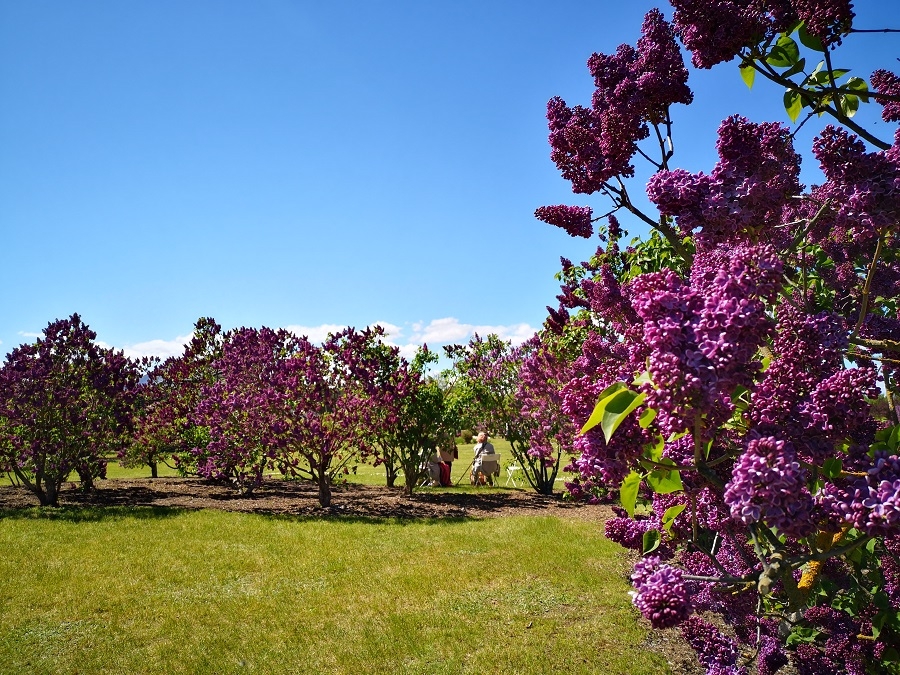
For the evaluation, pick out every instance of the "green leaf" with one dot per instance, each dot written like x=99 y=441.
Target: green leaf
x=652 y=540
x=670 y=515
x=858 y=85
x=647 y=418
x=793 y=104
x=628 y=492
x=796 y=68
x=748 y=74
x=664 y=481
x=654 y=451
x=784 y=53
x=849 y=104
x=643 y=378
x=831 y=468
x=597 y=414
x=612 y=410
x=810 y=41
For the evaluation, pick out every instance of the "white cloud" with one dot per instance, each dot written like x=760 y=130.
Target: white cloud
x=315 y=333
x=25 y=333
x=449 y=329
x=161 y=348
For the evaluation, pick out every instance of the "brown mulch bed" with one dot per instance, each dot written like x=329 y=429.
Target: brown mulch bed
x=363 y=501
x=298 y=498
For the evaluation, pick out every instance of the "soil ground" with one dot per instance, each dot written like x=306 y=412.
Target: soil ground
x=295 y=498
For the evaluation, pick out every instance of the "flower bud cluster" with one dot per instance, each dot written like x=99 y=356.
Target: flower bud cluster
x=871 y=503
x=634 y=87
x=886 y=82
x=661 y=593
x=769 y=485
x=716 y=652
x=703 y=338
x=576 y=220
x=755 y=178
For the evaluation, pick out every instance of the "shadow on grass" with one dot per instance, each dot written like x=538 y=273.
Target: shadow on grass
x=90 y=514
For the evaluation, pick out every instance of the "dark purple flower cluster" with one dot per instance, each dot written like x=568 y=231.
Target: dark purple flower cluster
x=661 y=593
x=837 y=407
x=627 y=532
x=715 y=30
x=843 y=652
x=871 y=503
x=769 y=485
x=634 y=87
x=890 y=568
x=576 y=220
x=704 y=337
x=828 y=20
x=716 y=652
x=864 y=193
x=886 y=82
x=756 y=176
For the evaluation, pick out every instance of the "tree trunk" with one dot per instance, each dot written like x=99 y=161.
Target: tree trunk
x=153 y=471
x=391 y=473
x=324 y=489
x=49 y=496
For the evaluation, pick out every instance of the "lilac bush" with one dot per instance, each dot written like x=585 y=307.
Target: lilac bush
x=728 y=360
x=65 y=403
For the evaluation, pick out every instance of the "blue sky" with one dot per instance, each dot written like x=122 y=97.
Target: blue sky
x=308 y=164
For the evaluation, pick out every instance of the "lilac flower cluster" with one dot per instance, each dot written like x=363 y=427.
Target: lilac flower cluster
x=757 y=174
x=807 y=396
x=704 y=338
x=716 y=652
x=576 y=220
x=768 y=485
x=864 y=193
x=890 y=568
x=871 y=503
x=886 y=82
x=627 y=532
x=828 y=20
x=837 y=407
x=661 y=595
x=714 y=31
x=843 y=652
x=633 y=87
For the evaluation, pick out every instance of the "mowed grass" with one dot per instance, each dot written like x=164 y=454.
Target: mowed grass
x=149 y=590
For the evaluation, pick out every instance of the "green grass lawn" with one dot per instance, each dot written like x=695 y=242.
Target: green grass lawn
x=152 y=590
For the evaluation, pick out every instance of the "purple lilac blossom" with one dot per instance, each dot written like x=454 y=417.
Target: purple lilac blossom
x=886 y=82
x=634 y=87
x=714 y=31
x=715 y=651
x=870 y=504
x=662 y=596
x=828 y=20
x=704 y=337
x=756 y=176
x=863 y=189
x=769 y=485
x=576 y=220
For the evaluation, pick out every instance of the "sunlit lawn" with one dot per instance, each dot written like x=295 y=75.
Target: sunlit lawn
x=152 y=590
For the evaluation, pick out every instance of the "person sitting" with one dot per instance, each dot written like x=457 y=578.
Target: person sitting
x=447 y=453
x=487 y=462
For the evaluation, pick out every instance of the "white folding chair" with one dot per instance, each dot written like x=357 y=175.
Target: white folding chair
x=511 y=474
